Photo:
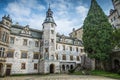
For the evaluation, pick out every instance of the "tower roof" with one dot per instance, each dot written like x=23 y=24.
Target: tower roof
x=49 y=16
x=7 y=17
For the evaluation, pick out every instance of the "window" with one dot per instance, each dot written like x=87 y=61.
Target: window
x=76 y=49
x=35 y=66
x=25 y=42
x=64 y=57
x=70 y=48
x=82 y=50
x=5 y=37
x=78 y=58
x=75 y=33
x=12 y=40
x=71 y=57
x=63 y=47
x=56 y=56
x=23 y=66
x=2 y=51
x=111 y=20
x=114 y=18
x=7 y=23
x=52 y=31
x=36 y=44
x=24 y=54
x=52 y=25
x=46 y=49
x=52 y=40
x=35 y=56
x=10 y=54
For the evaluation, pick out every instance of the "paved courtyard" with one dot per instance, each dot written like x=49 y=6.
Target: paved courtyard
x=57 y=77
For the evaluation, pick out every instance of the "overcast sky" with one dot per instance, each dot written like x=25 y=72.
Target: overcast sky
x=68 y=14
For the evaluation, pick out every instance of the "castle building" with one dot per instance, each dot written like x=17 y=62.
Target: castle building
x=77 y=33
x=114 y=17
x=24 y=50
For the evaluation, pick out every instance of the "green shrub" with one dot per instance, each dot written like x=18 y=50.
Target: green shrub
x=118 y=71
x=71 y=70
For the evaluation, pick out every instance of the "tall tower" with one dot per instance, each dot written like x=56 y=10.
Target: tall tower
x=49 y=36
x=116 y=4
x=49 y=41
x=5 y=25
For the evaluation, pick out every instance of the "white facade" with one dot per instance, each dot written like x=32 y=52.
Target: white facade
x=17 y=49
x=34 y=51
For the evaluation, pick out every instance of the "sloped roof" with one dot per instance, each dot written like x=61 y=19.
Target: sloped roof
x=16 y=30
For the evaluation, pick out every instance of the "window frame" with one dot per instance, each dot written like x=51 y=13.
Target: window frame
x=34 y=57
x=26 y=52
x=25 y=42
x=35 y=66
x=12 y=52
x=23 y=66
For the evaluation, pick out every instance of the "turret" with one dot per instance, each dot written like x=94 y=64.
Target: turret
x=6 y=20
x=49 y=36
x=116 y=4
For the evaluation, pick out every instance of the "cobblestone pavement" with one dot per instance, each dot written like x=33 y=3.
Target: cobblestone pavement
x=57 y=77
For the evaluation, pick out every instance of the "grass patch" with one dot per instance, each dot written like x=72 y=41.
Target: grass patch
x=105 y=74
x=97 y=73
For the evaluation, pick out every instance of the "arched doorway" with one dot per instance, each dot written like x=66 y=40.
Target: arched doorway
x=52 y=68
x=67 y=67
x=71 y=66
x=63 y=67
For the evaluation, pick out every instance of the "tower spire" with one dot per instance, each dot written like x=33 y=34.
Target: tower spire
x=49 y=16
x=49 y=6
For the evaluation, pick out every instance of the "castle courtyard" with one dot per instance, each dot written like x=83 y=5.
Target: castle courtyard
x=57 y=77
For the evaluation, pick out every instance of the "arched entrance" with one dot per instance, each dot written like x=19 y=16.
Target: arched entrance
x=71 y=66
x=67 y=67
x=63 y=67
x=52 y=68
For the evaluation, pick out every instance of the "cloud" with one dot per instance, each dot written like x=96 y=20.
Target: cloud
x=67 y=15
x=18 y=9
x=82 y=10
x=23 y=11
